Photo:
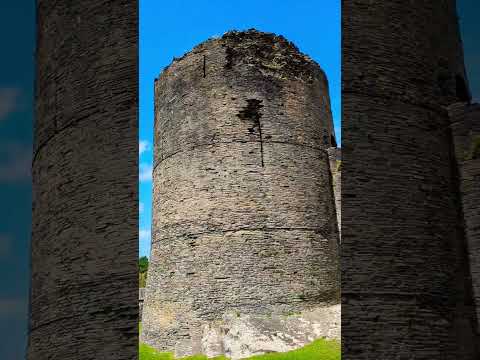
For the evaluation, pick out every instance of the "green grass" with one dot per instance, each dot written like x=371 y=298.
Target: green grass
x=318 y=350
x=147 y=353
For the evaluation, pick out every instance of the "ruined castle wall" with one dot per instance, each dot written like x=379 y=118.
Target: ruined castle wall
x=465 y=129
x=335 y=158
x=141 y=298
x=83 y=261
x=243 y=211
x=400 y=65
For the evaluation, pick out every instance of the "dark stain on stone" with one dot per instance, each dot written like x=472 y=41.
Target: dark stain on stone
x=230 y=54
x=252 y=113
x=462 y=89
x=333 y=142
x=269 y=51
x=325 y=140
x=204 y=66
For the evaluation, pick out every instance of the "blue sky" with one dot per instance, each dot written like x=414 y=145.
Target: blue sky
x=468 y=11
x=166 y=30
x=169 y=29
x=16 y=117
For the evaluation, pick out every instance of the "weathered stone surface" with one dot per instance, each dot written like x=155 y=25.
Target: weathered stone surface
x=243 y=210
x=84 y=287
x=401 y=294
x=465 y=131
x=335 y=158
x=412 y=53
x=141 y=298
x=239 y=336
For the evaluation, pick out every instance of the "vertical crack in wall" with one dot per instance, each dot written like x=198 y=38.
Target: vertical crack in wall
x=252 y=113
x=204 y=66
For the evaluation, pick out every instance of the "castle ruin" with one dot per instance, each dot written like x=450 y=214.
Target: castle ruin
x=84 y=264
x=410 y=209
x=244 y=216
x=410 y=264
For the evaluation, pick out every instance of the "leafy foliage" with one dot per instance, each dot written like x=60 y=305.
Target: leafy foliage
x=142 y=271
x=143 y=264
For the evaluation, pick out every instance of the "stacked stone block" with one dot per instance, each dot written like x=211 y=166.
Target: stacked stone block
x=84 y=280
x=243 y=211
x=399 y=209
x=335 y=158
x=465 y=130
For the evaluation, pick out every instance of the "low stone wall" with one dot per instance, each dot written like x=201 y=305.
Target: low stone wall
x=244 y=335
x=141 y=296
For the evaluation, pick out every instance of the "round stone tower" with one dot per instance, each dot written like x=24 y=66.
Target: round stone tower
x=243 y=212
x=401 y=66
x=84 y=264
x=465 y=128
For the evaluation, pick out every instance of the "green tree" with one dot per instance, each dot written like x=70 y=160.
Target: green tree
x=143 y=264
x=142 y=271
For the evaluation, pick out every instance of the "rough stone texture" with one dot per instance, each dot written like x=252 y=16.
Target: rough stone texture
x=141 y=298
x=465 y=130
x=335 y=158
x=84 y=287
x=243 y=211
x=240 y=336
x=401 y=297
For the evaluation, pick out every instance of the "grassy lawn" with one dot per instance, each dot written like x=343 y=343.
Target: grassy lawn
x=318 y=350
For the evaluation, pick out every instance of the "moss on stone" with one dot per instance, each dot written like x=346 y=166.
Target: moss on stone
x=339 y=165
x=273 y=66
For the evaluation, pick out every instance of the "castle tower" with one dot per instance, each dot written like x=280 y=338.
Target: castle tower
x=335 y=157
x=243 y=211
x=84 y=250
x=465 y=130
x=401 y=66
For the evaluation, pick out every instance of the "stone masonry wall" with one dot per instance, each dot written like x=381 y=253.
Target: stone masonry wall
x=335 y=158
x=84 y=212
x=400 y=66
x=141 y=298
x=465 y=130
x=243 y=210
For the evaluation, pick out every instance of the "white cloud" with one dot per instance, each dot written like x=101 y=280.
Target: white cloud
x=144 y=236
x=145 y=173
x=16 y=162
x=141 y=207
x=8 y=101
x=143 y=146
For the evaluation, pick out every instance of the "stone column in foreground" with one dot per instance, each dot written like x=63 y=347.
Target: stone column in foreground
x=84 y=248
